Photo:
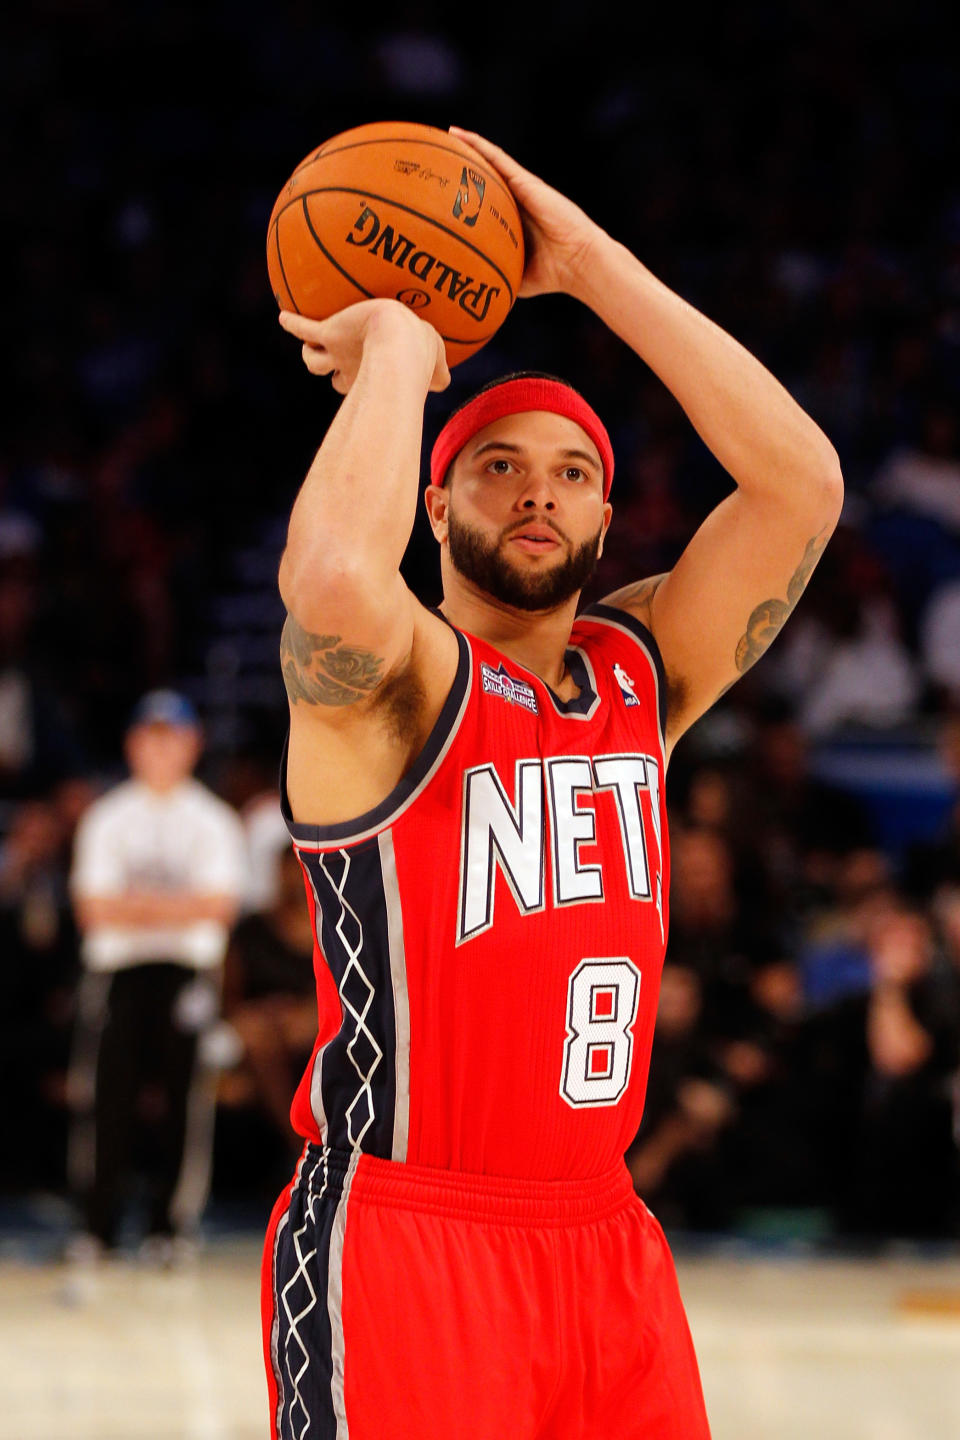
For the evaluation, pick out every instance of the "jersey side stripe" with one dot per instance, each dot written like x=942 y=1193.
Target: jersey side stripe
x=335 y=1301
x=355 y=1072
x=401 y=1001
x=316 y=1077
x=275 y=1328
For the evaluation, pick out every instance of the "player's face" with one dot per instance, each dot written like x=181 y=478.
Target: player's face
x=525 y=516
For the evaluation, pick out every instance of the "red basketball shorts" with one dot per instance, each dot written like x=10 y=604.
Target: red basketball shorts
x=402 y=1303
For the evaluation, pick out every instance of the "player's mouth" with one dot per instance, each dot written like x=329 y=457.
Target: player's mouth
x=536 y=539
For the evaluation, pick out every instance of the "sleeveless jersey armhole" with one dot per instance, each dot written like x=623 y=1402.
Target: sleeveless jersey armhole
x=638 y=632
x=438 y=743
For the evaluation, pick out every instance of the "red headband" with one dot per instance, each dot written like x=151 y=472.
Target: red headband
x=510 y=398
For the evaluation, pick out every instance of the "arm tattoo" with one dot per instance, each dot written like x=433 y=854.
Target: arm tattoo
x=321 y=671
x=768 y=618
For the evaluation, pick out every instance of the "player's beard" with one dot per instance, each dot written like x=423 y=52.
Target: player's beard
x=485 y=563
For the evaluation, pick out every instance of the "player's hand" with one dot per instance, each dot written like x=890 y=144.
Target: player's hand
x=336 y=346
x=559 y=235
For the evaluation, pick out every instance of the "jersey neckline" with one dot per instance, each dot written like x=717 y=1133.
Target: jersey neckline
x=582 y=704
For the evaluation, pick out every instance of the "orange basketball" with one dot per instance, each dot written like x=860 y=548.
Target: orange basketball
x=404 y=212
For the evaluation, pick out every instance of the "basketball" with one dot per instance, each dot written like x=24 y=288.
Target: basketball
x=405 y=212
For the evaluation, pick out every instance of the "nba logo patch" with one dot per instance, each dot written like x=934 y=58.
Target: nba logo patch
x=516 y=692
x=626 y=685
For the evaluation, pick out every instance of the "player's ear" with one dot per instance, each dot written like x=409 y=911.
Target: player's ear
x=607 y=517
x=437 y=500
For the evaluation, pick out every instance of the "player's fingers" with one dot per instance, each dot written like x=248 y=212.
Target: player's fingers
x=317 y=360
x=441 y=376
x=499 y=158
x=311 y=331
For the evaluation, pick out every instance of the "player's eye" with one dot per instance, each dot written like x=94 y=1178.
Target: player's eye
x=500 y=467
x=573 y=472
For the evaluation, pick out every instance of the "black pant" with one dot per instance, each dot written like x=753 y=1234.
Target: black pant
x=141 y=1048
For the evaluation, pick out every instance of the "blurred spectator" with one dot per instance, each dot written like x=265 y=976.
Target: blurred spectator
x=269 y=1000
x=915 y=521
x=882 y=1071
x=935 y=862
x=857 y=670
x=675 y=1161
x=716 y=932
x=268 y=841
x=798 y=824
x=248 y=779
x=158 y=873
x=770 y=1155
x=845 y=658
x=38 y=976
x=834 y=954
x=924 y=479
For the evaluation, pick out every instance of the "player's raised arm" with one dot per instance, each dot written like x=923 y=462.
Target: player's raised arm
x=351 y=619
x=351 y=521
x=746 y=567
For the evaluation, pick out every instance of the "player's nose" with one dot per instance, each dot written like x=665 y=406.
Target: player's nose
x=537 y=491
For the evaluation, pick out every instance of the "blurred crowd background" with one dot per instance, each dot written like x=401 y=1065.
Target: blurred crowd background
x=791 y=170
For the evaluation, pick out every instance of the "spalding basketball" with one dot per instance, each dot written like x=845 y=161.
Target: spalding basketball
x=399 y=211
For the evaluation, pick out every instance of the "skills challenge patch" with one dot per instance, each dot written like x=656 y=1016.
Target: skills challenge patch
x=498 y=682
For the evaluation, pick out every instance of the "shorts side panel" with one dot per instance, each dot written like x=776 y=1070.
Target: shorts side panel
x=633 y=1372
x=450 y=1326
x=269 y=1308
x=302 y=1342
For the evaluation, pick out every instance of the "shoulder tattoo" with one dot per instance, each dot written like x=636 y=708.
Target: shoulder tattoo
x=768 y=618
x=639 y=595
x=321 y=671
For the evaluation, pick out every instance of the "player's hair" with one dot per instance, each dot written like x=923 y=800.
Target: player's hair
x=505 y=379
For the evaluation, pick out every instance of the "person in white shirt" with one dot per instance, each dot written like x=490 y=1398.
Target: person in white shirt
x=159 y=869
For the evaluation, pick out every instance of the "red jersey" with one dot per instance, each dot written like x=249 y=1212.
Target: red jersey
x=490 y=938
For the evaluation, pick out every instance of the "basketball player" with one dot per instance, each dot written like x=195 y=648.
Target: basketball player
x=477 y=799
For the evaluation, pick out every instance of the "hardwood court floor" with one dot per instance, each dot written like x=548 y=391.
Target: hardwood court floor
x=789 y=1349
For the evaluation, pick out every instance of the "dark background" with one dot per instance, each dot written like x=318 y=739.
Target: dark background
x=792 y=171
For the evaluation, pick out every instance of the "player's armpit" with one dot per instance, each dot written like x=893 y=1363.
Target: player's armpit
x=323 y=670
x=345 y=642
x=365 y=689
x=637 y=600
x=731 y=592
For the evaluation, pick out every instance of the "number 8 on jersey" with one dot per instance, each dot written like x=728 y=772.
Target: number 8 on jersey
x=602 y=1002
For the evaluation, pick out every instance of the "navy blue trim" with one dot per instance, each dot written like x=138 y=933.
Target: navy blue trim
x=353 y=930
x=645 y=638
x=300 y=1288
x=581 y=703
x=377 y=818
